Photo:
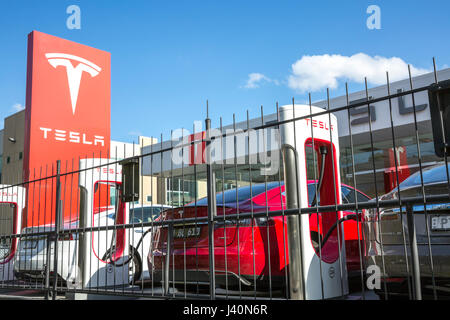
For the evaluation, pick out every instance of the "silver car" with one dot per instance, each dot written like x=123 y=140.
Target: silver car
x=31 y=257
x=387 y=239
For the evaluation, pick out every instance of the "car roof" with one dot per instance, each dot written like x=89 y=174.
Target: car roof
x=433 y=174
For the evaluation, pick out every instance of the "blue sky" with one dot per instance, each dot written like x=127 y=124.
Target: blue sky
x=168 y=57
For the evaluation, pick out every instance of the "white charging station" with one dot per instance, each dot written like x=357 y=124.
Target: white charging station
x=13 y=196
x=103 y=256
x=324 y=273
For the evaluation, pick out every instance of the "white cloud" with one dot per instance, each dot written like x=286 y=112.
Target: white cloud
x=313 y=73
x=18 y=107
x=255 y=79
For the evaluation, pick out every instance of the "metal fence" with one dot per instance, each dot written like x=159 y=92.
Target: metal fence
x=283 y=206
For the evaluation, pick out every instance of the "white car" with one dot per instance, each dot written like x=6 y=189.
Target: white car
x=31 y=258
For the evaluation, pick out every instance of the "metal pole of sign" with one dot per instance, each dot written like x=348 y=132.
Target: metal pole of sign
x=296 y=285
x=212 y=210
x=58 y=223
x=417 y=290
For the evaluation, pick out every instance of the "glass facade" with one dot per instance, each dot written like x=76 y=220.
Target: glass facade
x=189 y=187
x=369 y=152
x=390 y=168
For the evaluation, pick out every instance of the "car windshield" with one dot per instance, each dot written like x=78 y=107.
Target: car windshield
x=430 y=175
x=144 y=214
x=231 y=196
x=348 y=194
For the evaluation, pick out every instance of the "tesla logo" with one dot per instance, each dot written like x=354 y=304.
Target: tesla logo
x=73 y=73
x=73 y=137
x=319 y=124
x=109 y=171
x=360 y=110
x=331 y=272
x=6 y=194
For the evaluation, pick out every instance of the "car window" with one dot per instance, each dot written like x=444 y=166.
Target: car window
x=430 y=175
x=362 y=197
x=312 y=192
x=231 y=196
x=348 y=195
x=146 y=214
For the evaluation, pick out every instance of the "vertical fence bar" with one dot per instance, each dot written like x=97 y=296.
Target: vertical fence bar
x=339 y=229
x=415 y=266
x=47 y=256
x=360 y=250
x=269 y=260
x=317 y=196
x=251 y=205
x=222 y=157
x=167 y=260
x=237 y=204
x=286 y=281
x=212 y=210
x=394 y=148
x=424 y=198
x=58 y=222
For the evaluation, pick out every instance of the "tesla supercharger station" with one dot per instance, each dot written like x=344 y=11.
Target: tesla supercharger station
x=314 y=273
x=13 y=196
x=103 y=255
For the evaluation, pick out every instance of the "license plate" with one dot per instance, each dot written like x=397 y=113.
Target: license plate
x=440 y=223
x=187 y=232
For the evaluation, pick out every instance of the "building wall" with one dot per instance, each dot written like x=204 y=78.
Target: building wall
x=12 y=162
x=1 y=153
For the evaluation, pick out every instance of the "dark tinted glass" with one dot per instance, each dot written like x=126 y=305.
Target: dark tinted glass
x=146 y=214
x=349 y=195
x=361 y=197
x=230 y=196
x=430 y=175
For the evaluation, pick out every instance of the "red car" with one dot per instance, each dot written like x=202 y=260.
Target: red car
x=243 y=250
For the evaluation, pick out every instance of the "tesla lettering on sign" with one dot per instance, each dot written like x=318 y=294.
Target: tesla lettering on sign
x=67 y=117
